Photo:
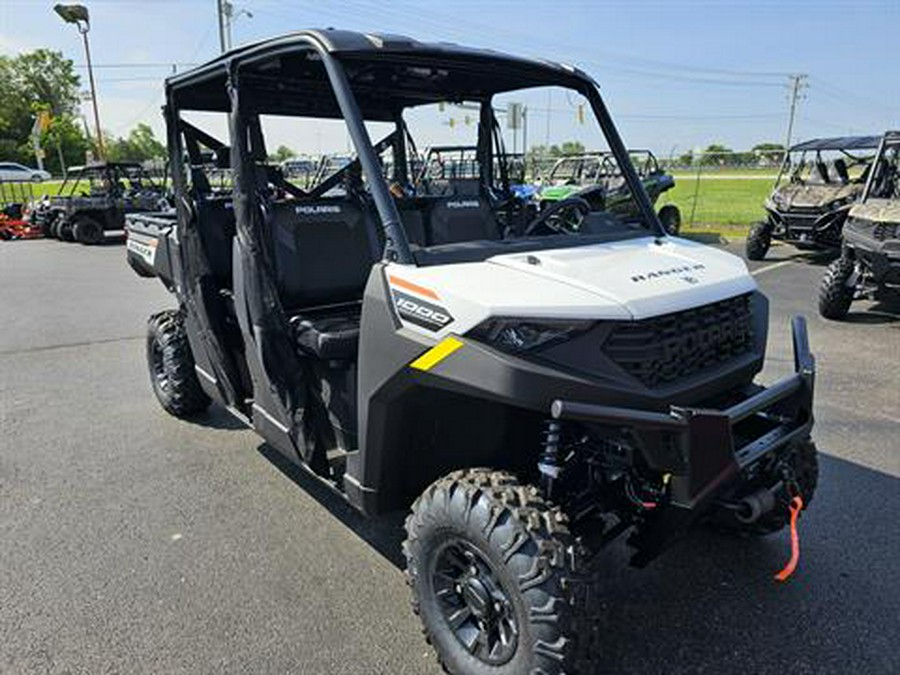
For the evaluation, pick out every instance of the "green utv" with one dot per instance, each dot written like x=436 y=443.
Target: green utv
x=817 y=184
x=596 y=178
x=869 y=266
x=527 y=386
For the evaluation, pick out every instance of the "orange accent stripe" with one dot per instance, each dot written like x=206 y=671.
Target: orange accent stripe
x=410 y=286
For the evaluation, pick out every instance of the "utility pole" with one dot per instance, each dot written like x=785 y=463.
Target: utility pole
x=223 y=9
x=227 y=16
x=797 y=85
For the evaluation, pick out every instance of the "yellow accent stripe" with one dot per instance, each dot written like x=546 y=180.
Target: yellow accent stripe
x=436 y=354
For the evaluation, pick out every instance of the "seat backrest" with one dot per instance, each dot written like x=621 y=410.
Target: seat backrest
x=457 y=219
x=215 y=220
x=840 y=173
x=323 y=252
x=818 y=173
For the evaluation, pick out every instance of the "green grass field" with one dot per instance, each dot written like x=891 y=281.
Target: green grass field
x=727 y=204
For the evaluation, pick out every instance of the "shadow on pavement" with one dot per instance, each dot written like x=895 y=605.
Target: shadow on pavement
x=385 y=533
x=216 y=417
x=711 y=603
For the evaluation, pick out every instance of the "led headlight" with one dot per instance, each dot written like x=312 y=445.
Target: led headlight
x=515 y=336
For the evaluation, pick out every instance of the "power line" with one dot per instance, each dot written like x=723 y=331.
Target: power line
x=95 y=66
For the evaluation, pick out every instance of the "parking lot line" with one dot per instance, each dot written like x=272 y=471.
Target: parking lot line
x=771 y=267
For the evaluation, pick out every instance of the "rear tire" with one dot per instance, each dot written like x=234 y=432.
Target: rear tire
x=171 y=366
x=87 y=230
x=835 y=296
x=758 y=241
x=670 y=217
x=490 y=562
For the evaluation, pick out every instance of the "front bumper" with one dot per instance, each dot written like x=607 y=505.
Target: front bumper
x=811 y=228
x=706 y=450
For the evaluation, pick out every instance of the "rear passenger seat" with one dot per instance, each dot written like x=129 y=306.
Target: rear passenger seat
x=323 y=256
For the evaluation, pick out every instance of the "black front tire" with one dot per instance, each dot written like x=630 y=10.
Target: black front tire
x=171 y=365
x=66 y=232
x=835 y=295
x=670 y=217
x=758 y=241
x=520 y=554
x=88 y=230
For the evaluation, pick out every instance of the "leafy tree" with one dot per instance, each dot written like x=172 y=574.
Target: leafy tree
x=140 y=145
x=567 y=148
x=35 y=81
x=772 y=153
x=282 y=153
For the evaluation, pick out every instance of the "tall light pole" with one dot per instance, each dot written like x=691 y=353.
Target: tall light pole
x=228 y=15
x=78 y=14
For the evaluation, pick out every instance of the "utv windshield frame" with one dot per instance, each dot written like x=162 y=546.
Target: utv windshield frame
x=890 y=141
x=309 y=73
x=795 y=158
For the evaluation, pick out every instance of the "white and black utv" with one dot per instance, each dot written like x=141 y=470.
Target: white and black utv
x=818 y=182
x=531 y=389
x=869 y=266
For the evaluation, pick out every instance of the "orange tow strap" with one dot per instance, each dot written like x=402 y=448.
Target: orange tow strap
x=796 y=507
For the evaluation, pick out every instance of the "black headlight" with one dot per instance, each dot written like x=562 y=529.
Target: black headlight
x=515 y=336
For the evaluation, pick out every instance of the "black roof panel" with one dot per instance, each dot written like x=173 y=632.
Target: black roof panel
x=386 y=72
x=839 y=143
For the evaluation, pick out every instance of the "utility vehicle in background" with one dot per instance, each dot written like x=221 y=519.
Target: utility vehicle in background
x=529 y=387
x=596 y=178
x=869 y=266
x=94 y=199
x=818 y=182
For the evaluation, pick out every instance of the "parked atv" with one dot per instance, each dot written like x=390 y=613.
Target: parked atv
x=818 y=182
x=94 y=199
x=869 y=266
x=596 y=178
x=528 y=392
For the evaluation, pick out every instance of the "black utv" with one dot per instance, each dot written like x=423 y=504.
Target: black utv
x=528 y=387
x=869 y=266
x=94 y=199
x=818 y=182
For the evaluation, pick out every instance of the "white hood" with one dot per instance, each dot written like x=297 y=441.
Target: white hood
x=611 y=281
x=645 y=277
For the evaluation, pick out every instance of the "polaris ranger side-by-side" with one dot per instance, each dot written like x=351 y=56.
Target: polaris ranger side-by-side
x=94 y=199
x=869 y=266
x=818 y=182
x=530 y=386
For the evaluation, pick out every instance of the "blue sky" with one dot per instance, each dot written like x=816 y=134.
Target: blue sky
x=677 y=75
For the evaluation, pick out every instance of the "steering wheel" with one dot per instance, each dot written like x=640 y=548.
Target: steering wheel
x=563 y=217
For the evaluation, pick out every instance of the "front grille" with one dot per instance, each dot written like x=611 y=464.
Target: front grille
x=664 y=349
x=885 y=231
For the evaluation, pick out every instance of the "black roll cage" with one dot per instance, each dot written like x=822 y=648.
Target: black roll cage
x=891 y=139
x=245 y=122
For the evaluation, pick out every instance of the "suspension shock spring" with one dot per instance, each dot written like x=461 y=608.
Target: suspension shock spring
x=548 y=464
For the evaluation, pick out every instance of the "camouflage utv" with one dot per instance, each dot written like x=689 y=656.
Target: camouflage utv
x=869 y=266
x=818 y=183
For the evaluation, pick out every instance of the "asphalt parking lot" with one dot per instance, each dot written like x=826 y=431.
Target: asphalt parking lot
x=131 y=542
